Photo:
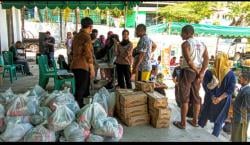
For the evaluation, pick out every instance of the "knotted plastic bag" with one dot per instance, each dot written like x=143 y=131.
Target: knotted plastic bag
x=107 y=127
x=2 y=114
x=15 y=131
x=41 y=115
x=117 y=138
x=98 y=112
x=61 y=118
x=106 y=99
x=73 y=133
x=65 y=98
x=19 y=106
x=39 y=92
x=84 y=116
x=95 y=138
x=101 y=97
x=49 y=97
x=40 y=134
x=7 y=97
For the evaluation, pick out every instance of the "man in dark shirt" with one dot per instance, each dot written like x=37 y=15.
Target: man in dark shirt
x=176 y=76
x=49 y=42
x=241 y=110
x=17 y=59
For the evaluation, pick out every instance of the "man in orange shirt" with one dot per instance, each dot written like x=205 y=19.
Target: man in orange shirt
x=82 y=64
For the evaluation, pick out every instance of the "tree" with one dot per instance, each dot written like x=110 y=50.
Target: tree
x=187 y=11
x=239 y=13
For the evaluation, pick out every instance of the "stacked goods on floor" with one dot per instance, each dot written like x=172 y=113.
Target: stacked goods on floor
x=37 y=116
x=131 y=107
x=144 y=86
x=158 y=110
x=246 y=62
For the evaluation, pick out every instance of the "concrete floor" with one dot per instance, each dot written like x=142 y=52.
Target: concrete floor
x=144 y=133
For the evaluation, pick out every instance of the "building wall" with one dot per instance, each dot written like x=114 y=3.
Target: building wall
x=3 y=30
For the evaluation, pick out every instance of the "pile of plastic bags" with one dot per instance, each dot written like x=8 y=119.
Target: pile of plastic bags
x=37 y=116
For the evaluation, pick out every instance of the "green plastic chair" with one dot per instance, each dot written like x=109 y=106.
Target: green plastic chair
x=45 y=73
x=9 y=66
x=61 y=76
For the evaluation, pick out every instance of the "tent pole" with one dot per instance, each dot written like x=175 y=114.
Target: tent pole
x=61 y=24
x=217 y=45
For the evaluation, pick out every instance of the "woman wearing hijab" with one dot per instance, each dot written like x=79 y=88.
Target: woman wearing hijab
x=219 y=84
x=123 y=51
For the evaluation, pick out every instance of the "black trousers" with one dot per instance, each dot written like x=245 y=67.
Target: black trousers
x=25 y=65
x=82 y=84
x=123 y=72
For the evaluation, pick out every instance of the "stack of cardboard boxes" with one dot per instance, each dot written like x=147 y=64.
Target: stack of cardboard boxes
x=158 y=110
x=142 y=105
x=131 y=107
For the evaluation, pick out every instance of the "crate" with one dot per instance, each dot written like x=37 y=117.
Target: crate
x=160 y=114
x=133 y=99
x=156 y=100
x=164 y=123
x=120 y=92
x=134 y=111
x=136 y=120
x=144 y=86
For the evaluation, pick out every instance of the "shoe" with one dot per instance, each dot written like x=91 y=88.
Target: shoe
x=179 y=125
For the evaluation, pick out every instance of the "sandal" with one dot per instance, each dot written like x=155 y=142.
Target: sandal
x=179 y=125
x=191 y=123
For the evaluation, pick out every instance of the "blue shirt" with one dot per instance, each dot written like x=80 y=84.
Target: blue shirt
x=145 y=45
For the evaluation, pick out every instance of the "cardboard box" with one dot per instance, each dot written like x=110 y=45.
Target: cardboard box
x=144 y=86
x=137 y=120
x=120 y=92
x=133 y=99
x=134 y=111
x=160 y=123
x=160 y=114
x=157 y=100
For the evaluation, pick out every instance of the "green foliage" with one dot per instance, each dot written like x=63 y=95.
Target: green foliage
x=237 y=10
x=187 y=11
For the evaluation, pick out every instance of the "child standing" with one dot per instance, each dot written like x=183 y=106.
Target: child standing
x=241 y=110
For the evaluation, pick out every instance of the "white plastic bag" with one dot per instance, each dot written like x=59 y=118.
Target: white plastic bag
x=2 y=114
x=95 y=138
x=106 y=99
x=84 y=116
x=17 y=119
x=65 y=98
x=101 y=97
x=98 y=112
x=107 y=127
x=38 y=91
x=41 y=115
x=61 y=118
x=117 y=138
x=40 y=134
x=2 y=111
x=19 y=106
x=73 y=133
x=7 y=97
x=15 y=131
x=49 y=97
